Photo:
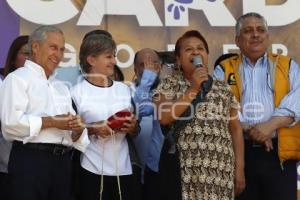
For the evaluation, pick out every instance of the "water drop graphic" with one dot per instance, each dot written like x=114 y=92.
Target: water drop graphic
x=184 y=1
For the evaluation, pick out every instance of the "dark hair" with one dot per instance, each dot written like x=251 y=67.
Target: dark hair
x=93 y=45
x=189 y=34
x=118 y=74
x=97 y=32
x=14 y=48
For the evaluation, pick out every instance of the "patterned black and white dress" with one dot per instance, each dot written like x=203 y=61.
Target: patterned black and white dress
x=204 y=144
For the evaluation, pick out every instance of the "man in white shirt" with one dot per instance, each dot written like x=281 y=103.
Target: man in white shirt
x=37 y=116
x=4 y=155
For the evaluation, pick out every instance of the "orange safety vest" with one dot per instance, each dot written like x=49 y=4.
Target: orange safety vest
x=288 y=138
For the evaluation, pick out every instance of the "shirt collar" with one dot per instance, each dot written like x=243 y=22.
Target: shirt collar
x=36 y=68
x=261 y=62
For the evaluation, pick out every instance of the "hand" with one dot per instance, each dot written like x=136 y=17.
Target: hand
x=64 y=122
x=100 y=129
x=151 y=65
x=130 y=126
x=268 y=145
x=239 y=181
x=199 y=75
x=58 y=121
x=246 y=128
x=76 y=123
x=261 y=132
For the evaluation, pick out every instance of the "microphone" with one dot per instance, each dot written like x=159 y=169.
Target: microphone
x=206 y=85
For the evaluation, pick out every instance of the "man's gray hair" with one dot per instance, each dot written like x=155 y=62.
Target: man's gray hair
x=242 y=18
x=40 y=34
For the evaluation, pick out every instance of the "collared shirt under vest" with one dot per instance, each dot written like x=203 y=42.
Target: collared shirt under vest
x=269 y=88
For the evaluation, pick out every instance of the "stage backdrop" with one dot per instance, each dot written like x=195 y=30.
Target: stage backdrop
x=156 y=24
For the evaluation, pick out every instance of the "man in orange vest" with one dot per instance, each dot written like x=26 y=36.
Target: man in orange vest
x=268 y=88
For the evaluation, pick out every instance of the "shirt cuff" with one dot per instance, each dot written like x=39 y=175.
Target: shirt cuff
x=283 y=112
x=82 y=143
x=35 y=124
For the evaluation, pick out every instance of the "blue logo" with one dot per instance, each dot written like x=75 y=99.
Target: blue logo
x=178 y=7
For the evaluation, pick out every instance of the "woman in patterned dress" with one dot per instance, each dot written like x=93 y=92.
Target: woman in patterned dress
x=210 y=144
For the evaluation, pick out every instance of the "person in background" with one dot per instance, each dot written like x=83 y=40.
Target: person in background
x=17 y=54
x=37 y=116
x=106 y=171
x=4 y=154
x=267 y=85
x=149 y=142
x=204 y=123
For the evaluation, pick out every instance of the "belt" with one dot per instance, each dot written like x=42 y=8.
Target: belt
x=55 y=149
x=254 y=144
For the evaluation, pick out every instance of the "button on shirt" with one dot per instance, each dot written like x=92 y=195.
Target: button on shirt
x=258 y=96
x=27 y=96
x=150 y=140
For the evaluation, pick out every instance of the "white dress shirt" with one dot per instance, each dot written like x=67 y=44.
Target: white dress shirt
x=5 y=147
x=107 y=156
x=27 y=96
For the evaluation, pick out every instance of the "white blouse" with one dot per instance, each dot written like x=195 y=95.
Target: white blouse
x=107 y=156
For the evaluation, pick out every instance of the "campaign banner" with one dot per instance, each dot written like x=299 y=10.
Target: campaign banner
x=157 y=24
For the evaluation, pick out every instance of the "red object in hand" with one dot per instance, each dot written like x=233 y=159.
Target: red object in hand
x=117 y=120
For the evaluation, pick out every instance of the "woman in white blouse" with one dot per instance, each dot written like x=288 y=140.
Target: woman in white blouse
x=106 y=171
